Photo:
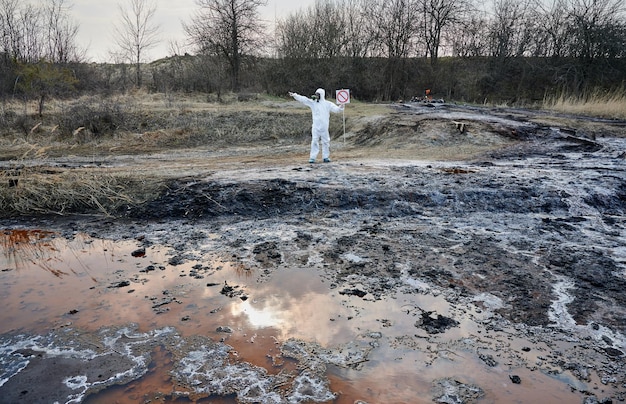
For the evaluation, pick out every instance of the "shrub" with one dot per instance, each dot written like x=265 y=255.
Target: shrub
x=103 y=118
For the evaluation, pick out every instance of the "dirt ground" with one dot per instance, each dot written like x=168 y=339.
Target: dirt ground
x=512 y=221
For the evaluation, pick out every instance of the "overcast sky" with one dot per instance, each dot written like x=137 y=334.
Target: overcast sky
x=96 y=18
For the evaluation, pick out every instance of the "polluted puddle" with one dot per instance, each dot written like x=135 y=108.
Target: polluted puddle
x=100 y=321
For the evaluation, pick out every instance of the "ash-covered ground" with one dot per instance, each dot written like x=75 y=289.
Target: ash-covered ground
x=526 y=245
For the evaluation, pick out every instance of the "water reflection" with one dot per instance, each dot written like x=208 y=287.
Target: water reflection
x=264 y=317
x=48 y=282
x=35 y=246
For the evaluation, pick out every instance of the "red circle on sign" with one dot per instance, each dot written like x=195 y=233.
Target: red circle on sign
x=343 y=96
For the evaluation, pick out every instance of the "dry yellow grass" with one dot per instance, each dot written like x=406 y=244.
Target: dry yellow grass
x=247 y=132
x=606 y=105
x=28 y=190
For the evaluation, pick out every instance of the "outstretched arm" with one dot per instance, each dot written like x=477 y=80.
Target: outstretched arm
x=301 y=98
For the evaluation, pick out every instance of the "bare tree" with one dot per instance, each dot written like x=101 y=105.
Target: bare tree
x=32 y=33
x=358 y=38
x=62 y=32
x=294 y=36
x=31 y=38
x=20 y=29
x=328 y=29
x=8 y=28
x=551 y=36
x=227 y=28
x=395 y=24
x=468 y=36
x=597 y=28
x=317 y=33
x=511 y=29
x=437 y=15
x=137 y=33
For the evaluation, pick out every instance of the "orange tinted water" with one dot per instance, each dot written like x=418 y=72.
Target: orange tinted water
x=49 y=282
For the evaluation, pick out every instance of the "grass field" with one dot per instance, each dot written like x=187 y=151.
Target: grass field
x=606 y=105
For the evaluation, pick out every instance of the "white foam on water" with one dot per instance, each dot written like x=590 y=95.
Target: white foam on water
x=307 y=387
x=11 y=365
x=414 y=283
x=193 y=367
x=123 y=341
x=76 y=383
x=206 y=370
x=619 y=252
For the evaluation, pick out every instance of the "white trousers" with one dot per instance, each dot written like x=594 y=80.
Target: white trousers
x=324 y=137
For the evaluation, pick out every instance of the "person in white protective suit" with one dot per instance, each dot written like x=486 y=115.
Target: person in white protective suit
x=321 y=109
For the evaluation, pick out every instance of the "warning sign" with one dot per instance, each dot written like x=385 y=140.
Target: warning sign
x=343 y=96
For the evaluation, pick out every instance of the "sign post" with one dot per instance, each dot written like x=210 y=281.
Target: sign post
x=343 y=98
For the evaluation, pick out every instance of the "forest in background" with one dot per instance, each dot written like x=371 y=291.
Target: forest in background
x=513 y=52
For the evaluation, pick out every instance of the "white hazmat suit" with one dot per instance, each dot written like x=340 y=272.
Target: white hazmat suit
x=321 y=109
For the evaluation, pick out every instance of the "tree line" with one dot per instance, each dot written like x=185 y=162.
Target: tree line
x=569 y=44
x=505 y=50
x=588 y=29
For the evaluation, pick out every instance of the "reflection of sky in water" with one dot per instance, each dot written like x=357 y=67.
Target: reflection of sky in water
x=50 y=277
x=299 y=304
x=283 y=305
x=56 y=276
x=46 y=277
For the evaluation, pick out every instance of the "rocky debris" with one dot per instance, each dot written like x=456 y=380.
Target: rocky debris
x=451 y=391
x=121 y=284
x=233 y=291
x=316 y=358
x=488 y=359
x=353 y=292
x=435 y=324
x=595 y=400
x=162 y=302
x=581 y=371
x=176 y=260
x=613 y=352
x=204 y=368
x=140 y=252
x=267 y=253
x=159 y=303
x=149 y=268
x=152 y=268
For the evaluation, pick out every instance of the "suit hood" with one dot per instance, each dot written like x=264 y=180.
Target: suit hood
x=322 y=93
